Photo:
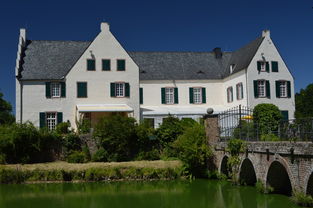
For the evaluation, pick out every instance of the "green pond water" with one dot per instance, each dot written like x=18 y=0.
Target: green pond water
x=194 y=194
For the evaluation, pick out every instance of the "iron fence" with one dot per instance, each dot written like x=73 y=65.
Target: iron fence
x=238 y=123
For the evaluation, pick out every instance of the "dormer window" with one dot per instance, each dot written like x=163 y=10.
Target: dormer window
x=231 y=68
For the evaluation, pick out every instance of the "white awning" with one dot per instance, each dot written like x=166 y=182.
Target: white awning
x=104 y=108
x=181 y=110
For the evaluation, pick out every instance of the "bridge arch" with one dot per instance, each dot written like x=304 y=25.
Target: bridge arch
x=279 y=177
x=247 y=173
x=224 y=167
x=309 y=184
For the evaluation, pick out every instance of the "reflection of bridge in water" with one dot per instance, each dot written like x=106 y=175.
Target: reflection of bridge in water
x=285 y=166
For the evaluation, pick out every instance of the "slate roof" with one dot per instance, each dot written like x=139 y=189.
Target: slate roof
x=52 y=60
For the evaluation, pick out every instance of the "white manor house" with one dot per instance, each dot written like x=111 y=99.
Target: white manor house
x=59 y=81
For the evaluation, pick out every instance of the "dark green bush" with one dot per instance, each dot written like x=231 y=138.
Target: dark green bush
x=72 y=142
x=267 y=117
x=150 y=155
x=100 y=156
x=193 y=150
x=83 y=126
x=63 y=128
x=76 y=157
x=245 y=131
x=169 y=131
x=117 y=135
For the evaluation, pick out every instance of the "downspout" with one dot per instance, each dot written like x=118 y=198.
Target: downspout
x=246 y=71
x=21 y=101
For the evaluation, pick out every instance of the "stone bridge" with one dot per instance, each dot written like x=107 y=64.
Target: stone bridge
x=285 y=166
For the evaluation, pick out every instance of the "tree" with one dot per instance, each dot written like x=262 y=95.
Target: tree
x=267 y=117
x=6 y=116
x=304 y=102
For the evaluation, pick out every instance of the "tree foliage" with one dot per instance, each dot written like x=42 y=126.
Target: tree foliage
x=304 y=102
x=193 y=149
x=267 y=117
x=117 y=135
x=6 y=116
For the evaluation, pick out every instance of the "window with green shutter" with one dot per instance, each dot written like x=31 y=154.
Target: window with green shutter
x=191 y=95
x=288 y=89
x=267 y=67
x=42 y=119
x=277 y=85
x=106 y=64
x=163 y=95
x=285 y=115
x=203 y=95
x=121 y=65
x=112 y=89
x=274 y=66
x=268 y=89
x=63 y=89
x=59 y=117
x=255 y=86
x=48 y=90
x=127 y=90
x=176 y=95
x=140 y=95
x=91 y=64
x=81 y=89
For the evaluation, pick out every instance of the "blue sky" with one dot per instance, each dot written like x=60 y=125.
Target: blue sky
x=162 y=25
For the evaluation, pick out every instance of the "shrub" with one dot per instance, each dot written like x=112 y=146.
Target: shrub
x=234 y=147
x=169 y=130
x=150 y=155
x=193 y=149
x=269 y=137
x=63 y=128
x=146 y=139
x=100 y=156
x=83 y=126
x=263 y=188
x=246 y=130
x=72 y=142
x=76 y=157
x=117 y=135
x=302 y=199
x=267 y=117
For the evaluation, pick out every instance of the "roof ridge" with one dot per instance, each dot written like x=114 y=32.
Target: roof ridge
x=60 y=40
x=176 y=51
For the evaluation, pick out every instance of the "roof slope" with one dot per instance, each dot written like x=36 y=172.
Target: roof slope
x=180 y=65
x=52 y=60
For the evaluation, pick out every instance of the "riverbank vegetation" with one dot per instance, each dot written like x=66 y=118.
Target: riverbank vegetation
x=63 y=171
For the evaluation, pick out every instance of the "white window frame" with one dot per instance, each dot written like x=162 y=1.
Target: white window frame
x=169 y=95
x=230 y=96
x=261 y=88
x=283 y=89
x=239 y=91
x=197 y=95
x=55 y=89
x=51 y=120
x=119 y=89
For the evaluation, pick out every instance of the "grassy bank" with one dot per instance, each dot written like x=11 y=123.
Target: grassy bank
x=97 y=171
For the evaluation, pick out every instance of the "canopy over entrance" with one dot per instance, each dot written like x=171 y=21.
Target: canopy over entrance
x=83 y=108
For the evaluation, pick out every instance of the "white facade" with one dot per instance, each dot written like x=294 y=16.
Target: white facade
x=31 y=99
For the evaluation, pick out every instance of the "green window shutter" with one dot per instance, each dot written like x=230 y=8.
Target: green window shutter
x=42 y=119
x=59 y=117
x=274 y=66
x=259 y=65
x=106 y=64
x=48 y=90
x=81 y=89
x=127 y=90
x=285 y=115
x=140 y=95
x=191 y=95
x=203 y=95
x=63 y=89
x=163 y=95
x=277 y=84
x=268 y=89
x=267 y=67
x=91 y=64
x=121 y=65
x=255 y=85
x=176 y=95
x=289 y=89
x=112 y=89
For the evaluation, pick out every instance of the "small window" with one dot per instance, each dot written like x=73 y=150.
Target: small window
x=274 y=66
x=51 y=120
x=262 y=66
x=91 y=64
x=230 y=94
x=197 y=95
x=55 y=89
x=120 y=89
x=231 y=68
x=106 y=64
x=239 y=91
x=81 y=89
x=120 y=65
x=261 y=88
x=283 y=89
x=169 y=95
